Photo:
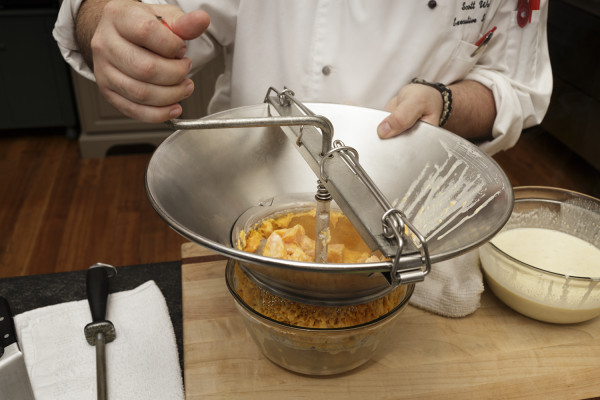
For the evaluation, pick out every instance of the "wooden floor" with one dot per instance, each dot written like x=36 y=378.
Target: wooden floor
x=59 y=212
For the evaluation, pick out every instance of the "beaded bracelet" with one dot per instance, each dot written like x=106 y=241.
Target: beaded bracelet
x=446 y=97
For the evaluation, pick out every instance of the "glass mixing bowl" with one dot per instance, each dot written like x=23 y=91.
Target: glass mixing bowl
x=316 y=351
x=535 y=284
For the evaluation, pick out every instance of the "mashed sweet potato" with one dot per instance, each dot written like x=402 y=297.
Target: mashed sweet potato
x=313 y=316
x=291 y=237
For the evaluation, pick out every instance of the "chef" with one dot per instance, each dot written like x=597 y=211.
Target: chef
x=479 y=68
x=364 y=53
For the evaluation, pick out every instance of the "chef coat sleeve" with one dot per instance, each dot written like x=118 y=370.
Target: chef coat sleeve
x=518 y=73
x=200 y=51
x=64 y=34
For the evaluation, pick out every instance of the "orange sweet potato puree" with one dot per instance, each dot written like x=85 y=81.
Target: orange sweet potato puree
x=291 y=237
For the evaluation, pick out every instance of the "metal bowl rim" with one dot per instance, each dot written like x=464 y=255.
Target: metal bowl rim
x=408 y=260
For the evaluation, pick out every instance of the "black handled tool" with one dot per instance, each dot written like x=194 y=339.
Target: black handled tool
x=14 y=380
x=99 y=331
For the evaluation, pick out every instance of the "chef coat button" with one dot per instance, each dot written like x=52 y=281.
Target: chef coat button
x=326 y=70
x=432 y=4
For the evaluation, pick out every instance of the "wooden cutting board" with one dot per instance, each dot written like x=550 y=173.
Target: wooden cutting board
x=494 y=353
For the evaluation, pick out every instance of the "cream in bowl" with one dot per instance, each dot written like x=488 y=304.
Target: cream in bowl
x=545 y=263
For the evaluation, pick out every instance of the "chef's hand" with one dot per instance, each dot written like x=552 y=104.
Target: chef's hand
x=414 y=102
x=472 y=117
x=139 y=63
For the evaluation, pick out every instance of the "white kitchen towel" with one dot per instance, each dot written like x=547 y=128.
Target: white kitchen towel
x=142 y=362
x=452 y=288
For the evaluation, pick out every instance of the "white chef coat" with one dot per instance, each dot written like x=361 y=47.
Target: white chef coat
x=362 y=52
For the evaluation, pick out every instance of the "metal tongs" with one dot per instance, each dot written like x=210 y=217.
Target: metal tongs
x=382 y=226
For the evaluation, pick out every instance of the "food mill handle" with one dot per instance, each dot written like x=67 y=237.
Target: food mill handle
x=317 y=121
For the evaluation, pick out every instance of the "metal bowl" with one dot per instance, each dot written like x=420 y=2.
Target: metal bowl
x=317 y=351
x=201 y=180
x=525 y=281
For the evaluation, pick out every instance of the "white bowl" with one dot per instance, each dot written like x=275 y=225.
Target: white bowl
x=555 y=283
